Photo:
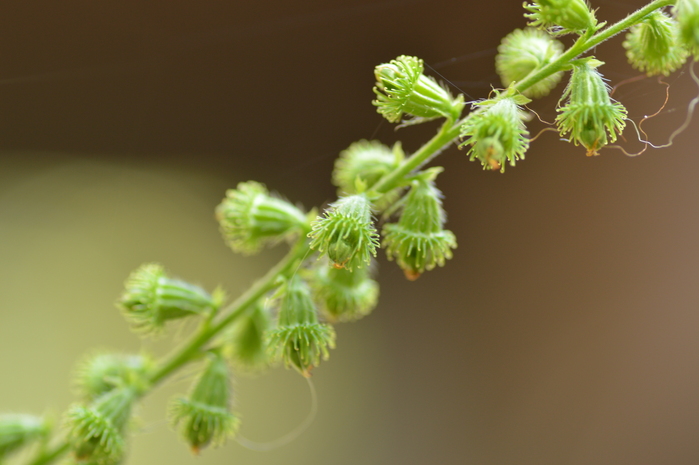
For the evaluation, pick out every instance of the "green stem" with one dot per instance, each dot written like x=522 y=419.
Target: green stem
x=583 y=44
x=233 y=311
x=50 y=456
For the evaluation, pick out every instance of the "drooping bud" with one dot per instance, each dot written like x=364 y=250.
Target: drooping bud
x=344 y=295
x=246 y=342
x=590 y=116
x=653 y=46
x=686 y=13
x=524 y=51
x=96 y=431
x=346 y=233
x=402 y=88
x=18 y=431
x=151 y=298
x=103 y=372
x=250 y=217
x=205 y=417
x=561 y=17
x=418 y=242
x=496 y=131
x=299 y=339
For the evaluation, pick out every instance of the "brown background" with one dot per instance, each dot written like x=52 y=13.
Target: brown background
x=564 y=331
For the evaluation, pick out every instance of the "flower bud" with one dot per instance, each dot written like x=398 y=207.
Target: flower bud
x=246 y=342
x=525 y=51
x=204 y=417
x=344 y=295
x=653 y=45
x=346 y=233
x=590 y=116
x=151 y=298
x=418 y=241
x=103 y=372
x=686 y=13
x=250 y=217
x=19 y=430
x=96 y=431
x=496 y=131
x=402 y=88
x=561 y=17
x=299 y=340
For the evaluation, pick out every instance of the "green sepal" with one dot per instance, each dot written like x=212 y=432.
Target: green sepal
x=299 y=340
x=590 y=115
x=653 y=46
x=100 y=373
x=204 y=417
x=561 y=17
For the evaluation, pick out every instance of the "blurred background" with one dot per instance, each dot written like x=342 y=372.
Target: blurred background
x=564 y=331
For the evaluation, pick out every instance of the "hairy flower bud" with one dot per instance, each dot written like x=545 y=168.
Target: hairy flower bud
x=246 y=342
x=151 y=298
x=496 y=131
x=653 y=45
x=686 y=13
x=204 y=417
x=344 y=295
x=103 y=372
x=250 y=218
x=418 y=241
x=346 y=233
x=20 y=430
x=299 y=339
x=522 y=52
x=96 y=431
x=561 y=16
x=402 y=88
x=590 y=116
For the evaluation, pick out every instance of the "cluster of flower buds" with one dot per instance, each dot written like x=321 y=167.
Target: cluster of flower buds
x=205 y=417
x=18 y=431
x=590 y=116
x=151 y=298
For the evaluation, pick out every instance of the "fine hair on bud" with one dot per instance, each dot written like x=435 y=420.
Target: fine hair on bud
x=298 y=339
x=590 y=115
x=653 y=46
x=343 y=295
x=250 y=218
x=561 y=17
x=205 y=417
x=151 y=298
x=346 y=233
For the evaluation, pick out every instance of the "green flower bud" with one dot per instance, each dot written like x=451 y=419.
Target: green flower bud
x=103 y=372
x=418 y=241
x=590 y=116
x=250 y=217
x=653 y=45
x=344 y=295
x=496 y=131
x=204 y=417
x=346 y=233
x=525 y=51
x=246 y=342
x=686 y=13
x=299 y=340
x=96 y=431
x=20 y=430
x=561 y=17
x=402 y=88
x=151 y=298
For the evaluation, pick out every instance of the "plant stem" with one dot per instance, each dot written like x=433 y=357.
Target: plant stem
x=583 y=44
